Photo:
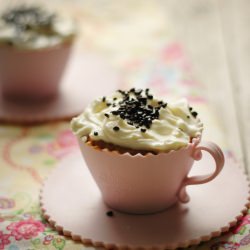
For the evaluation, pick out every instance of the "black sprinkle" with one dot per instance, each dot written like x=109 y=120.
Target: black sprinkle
x=115 y=112
x=96 y=133
x=188 y=116
x=108 y=104
x=143 y=130
x=121 y=92
x=143 y=100
x=190 y=108
x=107 y=115
x=160 y=102
x=28 y=27
x=164 y=105
x=150 y=97
x=194 y=114
x=110 y=213
x=104 y=99
x=116 y=128
x=10 y=43
x=114 y=98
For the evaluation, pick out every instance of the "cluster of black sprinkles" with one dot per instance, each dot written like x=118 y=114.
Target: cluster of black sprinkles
x=135 y=108
x=24 y=18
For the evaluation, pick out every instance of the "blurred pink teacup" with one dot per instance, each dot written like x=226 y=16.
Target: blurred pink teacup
x=35 y=46
x=32 y=74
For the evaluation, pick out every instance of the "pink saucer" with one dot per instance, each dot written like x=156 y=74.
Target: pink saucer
x=72 y=203
x=87 y=77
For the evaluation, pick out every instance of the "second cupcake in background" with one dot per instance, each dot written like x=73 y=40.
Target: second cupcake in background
x=35 y=45
x=140 y=149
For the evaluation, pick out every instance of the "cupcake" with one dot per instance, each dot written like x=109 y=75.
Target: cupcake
x=35 y=45
x=135 y=121
x=140 y=149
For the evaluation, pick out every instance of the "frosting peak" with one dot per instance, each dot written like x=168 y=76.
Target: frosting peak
x=136 y=119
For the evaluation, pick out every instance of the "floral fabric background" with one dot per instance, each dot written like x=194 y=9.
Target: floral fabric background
x=141 y=46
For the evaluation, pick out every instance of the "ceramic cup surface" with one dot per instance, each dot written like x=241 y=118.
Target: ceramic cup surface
x=32 y=74
x=142 y=184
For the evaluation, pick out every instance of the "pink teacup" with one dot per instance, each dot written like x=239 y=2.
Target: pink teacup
x=142 y=184
x=32 y=74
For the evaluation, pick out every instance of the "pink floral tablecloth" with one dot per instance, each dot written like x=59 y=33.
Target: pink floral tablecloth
x=140 y=45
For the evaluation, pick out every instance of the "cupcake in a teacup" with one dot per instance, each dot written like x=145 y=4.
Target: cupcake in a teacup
x=35 y=45
x=140 y=149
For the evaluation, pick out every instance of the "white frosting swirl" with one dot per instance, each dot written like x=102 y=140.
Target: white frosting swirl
x=61 y=29
x=174 y=128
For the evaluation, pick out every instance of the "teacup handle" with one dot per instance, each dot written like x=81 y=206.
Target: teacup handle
x=218 y=156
